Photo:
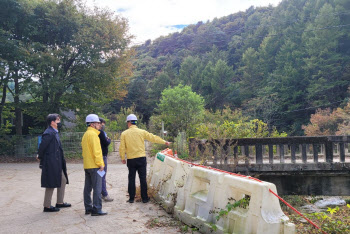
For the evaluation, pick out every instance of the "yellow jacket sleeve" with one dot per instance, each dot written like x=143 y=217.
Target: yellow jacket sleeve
x=122 y=148
x=153 y=138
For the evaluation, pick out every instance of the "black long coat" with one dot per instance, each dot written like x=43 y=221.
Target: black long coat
x=51 y=159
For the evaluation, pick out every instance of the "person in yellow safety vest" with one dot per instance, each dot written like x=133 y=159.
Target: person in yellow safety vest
x=132 y=143
x=93 y=166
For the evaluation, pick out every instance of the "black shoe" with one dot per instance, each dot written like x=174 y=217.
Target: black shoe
x=145 y=200
x=130 y=201
x=88 y=212
x=64 y=205
x=51 y=209
x=93 y=213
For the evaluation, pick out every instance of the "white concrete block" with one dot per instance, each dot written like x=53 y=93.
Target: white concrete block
x=168 y=177
x=196 y=194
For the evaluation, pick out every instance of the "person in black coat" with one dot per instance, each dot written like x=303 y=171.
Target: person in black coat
x=53 y=165
x=105 y=141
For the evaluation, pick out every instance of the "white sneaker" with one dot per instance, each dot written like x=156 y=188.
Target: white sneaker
x=107 y=198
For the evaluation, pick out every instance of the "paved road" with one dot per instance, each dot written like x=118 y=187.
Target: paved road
x=21 y=199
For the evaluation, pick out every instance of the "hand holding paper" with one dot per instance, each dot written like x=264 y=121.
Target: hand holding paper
x=101 y=173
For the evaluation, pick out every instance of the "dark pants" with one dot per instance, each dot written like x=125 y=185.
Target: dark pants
x=104 y=188
x=93 y=181
x=138 y=165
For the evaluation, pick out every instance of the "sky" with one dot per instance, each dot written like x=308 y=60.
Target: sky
x=150 y=19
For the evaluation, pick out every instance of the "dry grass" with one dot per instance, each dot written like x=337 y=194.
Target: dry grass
x=163 y=221
x=335 y=220
x=338 y=222
x=151 y=192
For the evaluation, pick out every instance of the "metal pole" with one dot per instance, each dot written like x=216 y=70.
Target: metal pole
x=162 y=133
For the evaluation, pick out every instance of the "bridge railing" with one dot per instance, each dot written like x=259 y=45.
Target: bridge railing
x=272 y=150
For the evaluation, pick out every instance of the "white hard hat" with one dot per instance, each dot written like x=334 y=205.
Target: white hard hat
x=131 y=117
x=92 y=118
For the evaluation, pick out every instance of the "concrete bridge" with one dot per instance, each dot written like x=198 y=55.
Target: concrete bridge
x=296 y=165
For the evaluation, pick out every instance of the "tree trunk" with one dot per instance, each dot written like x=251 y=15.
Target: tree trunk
x=18 y=111
x=3 y=99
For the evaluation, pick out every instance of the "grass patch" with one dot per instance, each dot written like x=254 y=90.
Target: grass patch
x=332 y=221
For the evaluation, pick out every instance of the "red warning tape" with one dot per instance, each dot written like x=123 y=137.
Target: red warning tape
x=169 y=153
x=296 y=210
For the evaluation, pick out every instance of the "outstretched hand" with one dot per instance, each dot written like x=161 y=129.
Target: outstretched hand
x=167 y=143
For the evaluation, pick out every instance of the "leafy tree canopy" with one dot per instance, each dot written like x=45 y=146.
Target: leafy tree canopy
x=181 y=109
x=62 y=55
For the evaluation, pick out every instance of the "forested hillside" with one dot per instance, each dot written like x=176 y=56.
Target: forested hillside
x=277 y=64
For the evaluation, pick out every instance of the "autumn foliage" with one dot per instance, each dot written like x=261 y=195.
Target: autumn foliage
x=329 y=122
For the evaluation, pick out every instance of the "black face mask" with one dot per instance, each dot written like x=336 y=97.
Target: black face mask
x=59 y=125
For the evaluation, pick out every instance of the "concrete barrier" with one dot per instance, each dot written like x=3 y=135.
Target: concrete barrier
x=156 y=173
x=168 y=176
x=201 y=189
x=260 y=214
x=200 y=197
